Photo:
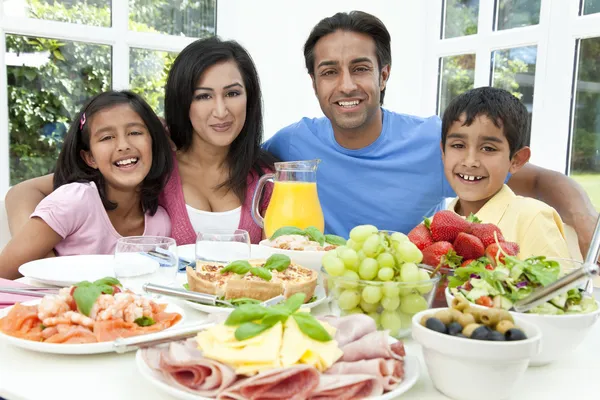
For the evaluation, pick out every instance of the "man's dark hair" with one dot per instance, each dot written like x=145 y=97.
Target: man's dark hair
x=71 y=167
x=502 y=108
x=354 y=21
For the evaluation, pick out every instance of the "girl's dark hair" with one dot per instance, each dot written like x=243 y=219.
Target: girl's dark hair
x=71 y=167
x=245 y=154
x=354 y=21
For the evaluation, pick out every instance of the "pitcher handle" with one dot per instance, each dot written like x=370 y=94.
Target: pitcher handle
x=256 y=198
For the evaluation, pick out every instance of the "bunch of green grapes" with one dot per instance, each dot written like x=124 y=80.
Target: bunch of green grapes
x=384 y=260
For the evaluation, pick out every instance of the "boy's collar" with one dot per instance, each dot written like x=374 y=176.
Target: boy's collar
x=494 y=209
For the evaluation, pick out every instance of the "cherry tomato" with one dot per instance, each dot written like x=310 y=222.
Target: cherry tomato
x=489 y=267
x=485 y=301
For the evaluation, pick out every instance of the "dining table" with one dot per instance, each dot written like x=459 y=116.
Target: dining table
x=30 y=375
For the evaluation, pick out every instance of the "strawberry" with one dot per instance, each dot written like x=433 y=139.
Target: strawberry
x=468 y=246
x=485 y=232
x=441 y=254
x=446 y=226
x=466 y=262
x=420 y=235
x=492 y=251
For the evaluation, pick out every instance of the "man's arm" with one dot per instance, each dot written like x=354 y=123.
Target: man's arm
x=563 y=194
x=23 y=198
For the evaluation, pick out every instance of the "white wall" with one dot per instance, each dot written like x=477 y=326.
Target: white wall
x=274 y=32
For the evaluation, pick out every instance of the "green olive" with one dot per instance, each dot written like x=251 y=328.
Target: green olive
x=504 y=325
x=468 y=330
x=465 y=320
x=444 y=315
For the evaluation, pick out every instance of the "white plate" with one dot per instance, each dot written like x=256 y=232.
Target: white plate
x=411 y=375
x=188 y=252
x=72 y=349
x=68 y=270
x=319 y=292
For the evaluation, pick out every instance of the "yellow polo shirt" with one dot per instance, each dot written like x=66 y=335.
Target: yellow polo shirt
x=534 y=225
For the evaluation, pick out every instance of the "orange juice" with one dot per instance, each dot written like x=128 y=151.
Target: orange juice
x=294 y=204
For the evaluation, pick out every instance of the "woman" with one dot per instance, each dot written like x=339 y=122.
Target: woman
x=213 y=110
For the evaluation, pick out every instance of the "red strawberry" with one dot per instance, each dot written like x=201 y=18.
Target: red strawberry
x=492 y=251
x=485 y=232
x=466 y=262
x=441 y=254
x=420 y=235
x=468 y=246
x=446 y=226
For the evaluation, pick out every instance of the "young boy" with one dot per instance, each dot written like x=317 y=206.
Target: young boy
x=484 y=139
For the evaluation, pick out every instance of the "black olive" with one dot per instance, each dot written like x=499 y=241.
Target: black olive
x=454 y=328
x=496 y=336
x=436 y=325
x=481 y=333
x=515 y=334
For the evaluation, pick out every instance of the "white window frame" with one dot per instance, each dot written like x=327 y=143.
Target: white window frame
x=555 y=36
x=118 y=36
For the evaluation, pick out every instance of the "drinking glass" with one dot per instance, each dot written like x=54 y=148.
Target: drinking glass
x=223 y=246
x=145 y=259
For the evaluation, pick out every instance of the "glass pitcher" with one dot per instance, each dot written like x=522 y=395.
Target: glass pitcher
x=294 y=201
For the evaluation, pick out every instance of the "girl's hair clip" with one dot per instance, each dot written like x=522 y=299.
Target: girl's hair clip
x=82 y=121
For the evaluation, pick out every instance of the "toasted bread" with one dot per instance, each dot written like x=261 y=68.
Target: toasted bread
x=207 y=278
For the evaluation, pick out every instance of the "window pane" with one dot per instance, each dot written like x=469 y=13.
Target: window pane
x=174 y=17
x=48 y=81
x=514 y=70
x=585 y=146
x=591 y=7
x=148 y=75
x=90 y=12
x=517 y=13
x=460 y=18
x=457 y=75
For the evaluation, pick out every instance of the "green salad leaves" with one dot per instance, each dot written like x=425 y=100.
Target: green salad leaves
x=312 y=233
x=278 y=262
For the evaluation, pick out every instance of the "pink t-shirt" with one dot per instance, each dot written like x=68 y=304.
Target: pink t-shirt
x=75 y=211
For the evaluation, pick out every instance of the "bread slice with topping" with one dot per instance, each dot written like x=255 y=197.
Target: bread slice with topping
x=207 y=278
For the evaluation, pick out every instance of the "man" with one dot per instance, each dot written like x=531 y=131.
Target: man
x=379 y=167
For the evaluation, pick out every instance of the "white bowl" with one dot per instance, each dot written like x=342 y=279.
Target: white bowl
x=305 y=258
x=561 y=334
x=466 y=369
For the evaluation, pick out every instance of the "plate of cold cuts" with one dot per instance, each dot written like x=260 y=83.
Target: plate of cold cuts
x=373 y=365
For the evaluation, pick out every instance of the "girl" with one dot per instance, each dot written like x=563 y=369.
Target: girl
x=114 y=163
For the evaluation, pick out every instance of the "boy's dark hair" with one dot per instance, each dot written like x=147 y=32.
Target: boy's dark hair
x=71 y=167
x=354 y=21
x=245 y=153
x=502 y=108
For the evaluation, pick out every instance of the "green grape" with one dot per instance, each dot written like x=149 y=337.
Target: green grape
x=371 y=294
x=412 y=304
x=361 y=255
x=390 y=320
x=409 y=252
x=350 y=276
x=424 y=276
x=354 y=310
x=391 y=289
x=360 y=233
x=348 y=299
x=385 y=274
x=371 y=246
x=376 y=317
x=333 y=265
x=350 y=259
x=339 y=250
x=353 y=245
x=390 y=303
x=405 y=290
x=409 y=272
x=367 y=269
x=386 y=260
x=399 y=237
x=367 y=307
x=406 y=320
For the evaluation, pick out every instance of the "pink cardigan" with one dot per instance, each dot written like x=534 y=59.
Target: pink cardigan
x=182 y=230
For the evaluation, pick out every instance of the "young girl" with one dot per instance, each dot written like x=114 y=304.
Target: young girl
x=114 y=163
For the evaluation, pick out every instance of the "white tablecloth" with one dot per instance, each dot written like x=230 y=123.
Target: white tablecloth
x=27 y=375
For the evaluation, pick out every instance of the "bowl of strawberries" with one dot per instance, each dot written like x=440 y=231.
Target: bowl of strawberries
x=449 y=241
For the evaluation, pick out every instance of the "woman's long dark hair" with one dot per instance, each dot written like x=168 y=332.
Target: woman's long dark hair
x=245 y=154
x=71 y=167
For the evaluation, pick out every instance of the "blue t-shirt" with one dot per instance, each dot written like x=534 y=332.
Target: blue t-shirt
x=392 y=183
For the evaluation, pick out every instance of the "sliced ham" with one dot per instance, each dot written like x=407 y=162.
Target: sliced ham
x=347 y=387
x=350 y=327
x=389 y=372
x=292 y=383
x=373 y=345
x=74 y=335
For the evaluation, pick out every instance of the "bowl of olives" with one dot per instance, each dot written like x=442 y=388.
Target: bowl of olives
x=490 y=347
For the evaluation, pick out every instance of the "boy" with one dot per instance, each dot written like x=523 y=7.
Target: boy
x=484 y=139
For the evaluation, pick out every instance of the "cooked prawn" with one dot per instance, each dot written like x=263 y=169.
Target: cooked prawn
x=69 y=317
x=52 y=306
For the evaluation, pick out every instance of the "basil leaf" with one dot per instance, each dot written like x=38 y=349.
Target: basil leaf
x=315 y=235
x=109 y=280
x=261 y=273
x=83 y=283
x=334 y=239
x=250 y=329
x=85 y=297
x=246 y=313
x=240 y=267
x=106 y=289
x=145 y=321
x=278 y=262
x=275 y=315
x=186 y=286
x=287 y=230
x=294 y=302
x=311 y=327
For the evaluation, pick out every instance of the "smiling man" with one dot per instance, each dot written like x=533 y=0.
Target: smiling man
x=380 y=167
